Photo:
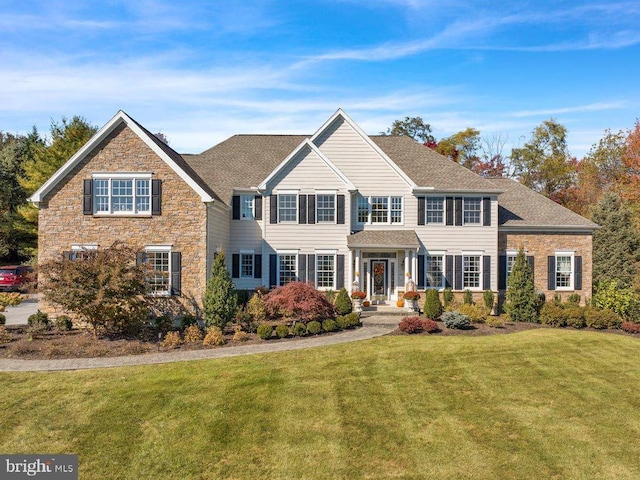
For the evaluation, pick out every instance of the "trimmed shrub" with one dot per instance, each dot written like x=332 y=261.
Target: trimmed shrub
x=456 y=320
x=601 y=319
x=352 y=320
x=489 y=299
x=432 y=305
x=193 y=334
x=429 y=325
x=623 y=301
x=299 y=329
x=341 y=323
x=553 y=315
x=63 y=323
x=187 y=320
x=243 y=297
x=477 y=313
x=410 y=325
x=172 y=340
x=574 y=299
x=10 y=299
x=299 y=300
x=314 y=327
x=256 y=307
x=329 y=325
x=282 y=331
x=3 y=319
x=343 y=302
x=447 y=296
x=213 y=337
x=495 y=322
x=219 y=302
x=39 y=320
x=264 y=331
x=5 y=336
x=163 y=323
x=574 y=316
x=631 y=327
x=468 y=297
x=240 y=335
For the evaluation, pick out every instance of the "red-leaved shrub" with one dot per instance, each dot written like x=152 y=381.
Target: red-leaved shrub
x=410 y=325
x=299 y=300
x=631 y=327
x=429 y=325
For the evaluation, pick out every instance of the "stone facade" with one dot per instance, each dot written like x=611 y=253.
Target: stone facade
x=544 y=244
x=182 y=224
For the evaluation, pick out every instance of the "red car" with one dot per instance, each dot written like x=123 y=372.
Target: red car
x=12 y=278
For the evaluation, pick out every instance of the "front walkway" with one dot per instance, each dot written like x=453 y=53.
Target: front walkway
x=373 y=326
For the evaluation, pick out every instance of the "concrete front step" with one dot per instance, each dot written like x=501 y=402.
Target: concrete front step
x=385 y=310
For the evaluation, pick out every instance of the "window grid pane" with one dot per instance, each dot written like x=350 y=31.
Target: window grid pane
x=325 y=208
x=159 y=278
x=246 y=204
x=143 y=196
x=379 y=209
x=435 y=273
x=101 y=188
x=122 y=195
x=396 y=209
x=246 y=265
x=288 y=268
x=287 y=208
x=563 y=271
x=325 y=271
x=471 y=211
x=511 y=260
x=471 y=271
x=363 y=210
x=435 y=209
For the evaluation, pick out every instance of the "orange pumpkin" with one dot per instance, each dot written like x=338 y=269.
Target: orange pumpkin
x=366 y=303
x=400 y=303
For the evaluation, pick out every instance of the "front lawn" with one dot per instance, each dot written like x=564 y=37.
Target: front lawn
x=543 y=403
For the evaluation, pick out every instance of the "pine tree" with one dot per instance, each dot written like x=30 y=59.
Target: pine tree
x=521 y=293
x=219 y=301
x=343 y=302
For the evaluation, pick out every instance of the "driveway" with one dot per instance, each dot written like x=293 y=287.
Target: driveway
x=18 y=315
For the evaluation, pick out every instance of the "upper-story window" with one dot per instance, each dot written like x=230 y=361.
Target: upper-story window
x=380 y=210
x=434 y=209
x=287 y=207
x=325 y=208
x=246 y=207
x=122 y=194
x=472 y=210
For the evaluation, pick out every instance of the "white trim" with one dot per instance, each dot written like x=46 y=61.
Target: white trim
x=286 y=192
x=122 y=175
x=546 y=228
x=162 y=249
x=571 y=254
x=297 y=206
x=326 y=192
x=370 y=209
x=78 y=247
x=480 y=272
x=444 y=209
x=335 y=270
x=481 y=211
x=288 y=252
x=247 y=252
x=158 y=248
x=365 y=137
x=102 y=134
x=307 y=143
x=326 y=252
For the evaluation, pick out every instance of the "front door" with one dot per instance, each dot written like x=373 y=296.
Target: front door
x=379 y=280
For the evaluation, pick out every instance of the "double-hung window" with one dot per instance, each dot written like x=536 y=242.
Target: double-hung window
x=364 y=209
x=511 y=261
x=82 y=252
x=434 y=265
x=122 y=194
x=246 y=207
x=564 y=271
x=380 y=210
x=287 y=268
x=246 y=265
x=325 y=208
x=434 y=209
x=159 y=278
x=471 y=271
x=325 y=271
x=472 y=210
x=287 y=207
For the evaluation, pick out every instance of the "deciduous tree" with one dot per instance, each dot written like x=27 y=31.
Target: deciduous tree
x=413 y=127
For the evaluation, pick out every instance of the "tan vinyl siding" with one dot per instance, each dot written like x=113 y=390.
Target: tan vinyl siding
x=218 y=234
x=306 y=171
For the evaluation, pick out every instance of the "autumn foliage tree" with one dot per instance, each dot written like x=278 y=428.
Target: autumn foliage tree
x=300 y=301
x=630 y=180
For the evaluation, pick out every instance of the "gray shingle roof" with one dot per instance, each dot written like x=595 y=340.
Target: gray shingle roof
x=384 y=238
x=520 y=206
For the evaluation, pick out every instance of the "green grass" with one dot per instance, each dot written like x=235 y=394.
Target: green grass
x=540 y=404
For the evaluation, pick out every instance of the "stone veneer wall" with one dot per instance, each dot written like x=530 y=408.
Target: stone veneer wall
x=542 y=245
x=183 y=223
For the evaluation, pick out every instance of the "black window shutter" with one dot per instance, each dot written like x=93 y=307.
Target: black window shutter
x=87 y=197
x=551 y=273
x=486 y=211
x=236 y=207
x=302 y=209
x=421 y=210
x=273 y=209
x=176 y=273
x=257 y=266
x=141 y=257
x=449 y=208
x=257 y=207
x=577 y=276
x=502 y=272
x=235 y=265
x=421 y=275
x=311 y=268
x=532 y=264
x=311 y=204
x=458 y=207
x=486 y=272
x=339 y=272
x=273 y=270
x=340 y=206
x=448 y=271
x=302 y=268
x=458 y=273
x=156 y=197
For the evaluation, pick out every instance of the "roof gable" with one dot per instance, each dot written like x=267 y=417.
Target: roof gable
x=163 y=151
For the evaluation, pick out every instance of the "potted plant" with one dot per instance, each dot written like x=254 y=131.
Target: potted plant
x=410 y=299
x=357 y=297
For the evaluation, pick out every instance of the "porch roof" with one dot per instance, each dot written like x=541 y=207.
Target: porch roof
x=384 y=238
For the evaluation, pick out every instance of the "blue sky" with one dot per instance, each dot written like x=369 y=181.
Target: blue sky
x=200 y=71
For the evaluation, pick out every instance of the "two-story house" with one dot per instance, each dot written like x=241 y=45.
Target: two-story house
x=332 y=208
